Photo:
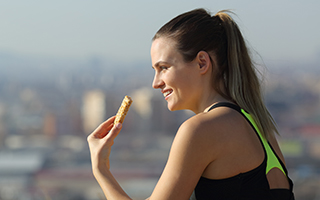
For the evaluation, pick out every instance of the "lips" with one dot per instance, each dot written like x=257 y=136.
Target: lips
x=167 y=93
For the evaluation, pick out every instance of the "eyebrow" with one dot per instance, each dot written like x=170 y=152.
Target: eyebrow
x=159 y=63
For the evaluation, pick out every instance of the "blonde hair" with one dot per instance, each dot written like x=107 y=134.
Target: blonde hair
x=242 y=83
x=219 y=35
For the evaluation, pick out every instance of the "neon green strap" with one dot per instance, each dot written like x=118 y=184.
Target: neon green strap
x=272 y=160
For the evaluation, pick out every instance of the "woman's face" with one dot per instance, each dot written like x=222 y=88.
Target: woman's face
x=176 y=78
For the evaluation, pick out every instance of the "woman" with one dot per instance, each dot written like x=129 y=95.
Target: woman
x=228 y=150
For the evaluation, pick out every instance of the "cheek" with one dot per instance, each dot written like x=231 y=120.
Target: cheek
x=181 y=84
x=170 y=79
x=184 y=79
x=178 y=80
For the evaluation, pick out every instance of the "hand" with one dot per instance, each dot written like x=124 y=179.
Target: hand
x=100 y=142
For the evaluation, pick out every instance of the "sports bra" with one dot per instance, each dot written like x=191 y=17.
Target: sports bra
x=251 y=185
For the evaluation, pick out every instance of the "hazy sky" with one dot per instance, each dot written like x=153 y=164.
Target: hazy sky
x=276 y=29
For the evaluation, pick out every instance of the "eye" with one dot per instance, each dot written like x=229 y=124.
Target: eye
x=163 y=67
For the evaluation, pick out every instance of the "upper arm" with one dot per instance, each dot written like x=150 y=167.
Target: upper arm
x=186 y=162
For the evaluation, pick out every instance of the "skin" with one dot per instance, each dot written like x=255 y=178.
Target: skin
x=173 y=74
x=205 y=145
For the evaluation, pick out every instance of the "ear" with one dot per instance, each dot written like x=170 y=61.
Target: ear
x=204 y=62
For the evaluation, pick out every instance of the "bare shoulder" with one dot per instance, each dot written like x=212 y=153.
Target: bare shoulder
x=211 y=129
x=205 y=132
x=212 y=123
x=195 y=146
x=199 y=149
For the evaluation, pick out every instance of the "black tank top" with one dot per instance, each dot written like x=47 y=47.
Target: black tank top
x=251 y=185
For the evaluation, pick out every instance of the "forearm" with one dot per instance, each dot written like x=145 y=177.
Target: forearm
x=109 y=185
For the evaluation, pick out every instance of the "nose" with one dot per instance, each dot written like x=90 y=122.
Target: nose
x=157 y=82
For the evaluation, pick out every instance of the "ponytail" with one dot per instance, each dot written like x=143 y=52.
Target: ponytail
x=241 y=81
x=220 y=36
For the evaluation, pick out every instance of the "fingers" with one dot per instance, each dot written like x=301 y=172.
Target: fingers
x=103 y=129
x=106 y=130
x=114 y=132
x=101 y=140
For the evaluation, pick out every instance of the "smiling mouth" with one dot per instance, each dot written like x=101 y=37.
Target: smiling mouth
x=167 y=94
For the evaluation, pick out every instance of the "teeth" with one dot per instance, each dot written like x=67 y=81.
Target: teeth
x=166 y=93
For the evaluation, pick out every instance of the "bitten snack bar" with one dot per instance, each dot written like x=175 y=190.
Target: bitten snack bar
x=123 y=110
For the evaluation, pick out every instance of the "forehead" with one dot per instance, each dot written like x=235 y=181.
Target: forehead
x=163 y=49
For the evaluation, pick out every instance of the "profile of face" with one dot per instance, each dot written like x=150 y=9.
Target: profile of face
x=177 y=79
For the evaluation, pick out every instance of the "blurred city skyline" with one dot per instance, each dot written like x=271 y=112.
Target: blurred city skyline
x=66 y=65
x=49 y=106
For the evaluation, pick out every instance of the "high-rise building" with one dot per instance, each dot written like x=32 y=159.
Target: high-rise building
x=50 y=125
x=93 y=110
x=143 y=107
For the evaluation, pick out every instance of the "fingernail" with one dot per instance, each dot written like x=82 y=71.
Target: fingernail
x=118 y=125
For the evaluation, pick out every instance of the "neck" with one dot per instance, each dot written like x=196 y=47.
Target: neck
x=208 y=101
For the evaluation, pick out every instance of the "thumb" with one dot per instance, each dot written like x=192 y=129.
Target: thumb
x=114 y=132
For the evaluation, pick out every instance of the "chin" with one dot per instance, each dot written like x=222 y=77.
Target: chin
x=174 y=107
x=170 y=108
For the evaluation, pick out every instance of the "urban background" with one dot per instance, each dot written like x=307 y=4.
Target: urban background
x=49 y=106
x=65 y=66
